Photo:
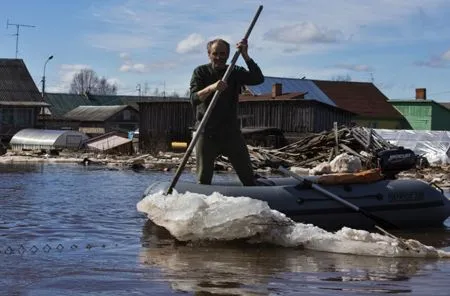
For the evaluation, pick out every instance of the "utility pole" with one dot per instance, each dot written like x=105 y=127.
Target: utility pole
x=17 y=32
x=43 y=89
x=145 y=88
x=164 y=92
x=138 y=88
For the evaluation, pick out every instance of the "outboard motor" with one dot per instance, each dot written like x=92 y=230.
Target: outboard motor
x=395 y=160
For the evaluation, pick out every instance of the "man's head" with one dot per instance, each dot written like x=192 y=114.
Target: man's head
x=218 y=53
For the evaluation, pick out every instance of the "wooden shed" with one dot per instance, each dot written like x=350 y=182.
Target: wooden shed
x=97 y=120
x=163 y=122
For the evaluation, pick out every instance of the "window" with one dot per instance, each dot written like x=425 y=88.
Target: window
x=23 y=117
x=126 y=115
x=16 y=116
x=8 y=116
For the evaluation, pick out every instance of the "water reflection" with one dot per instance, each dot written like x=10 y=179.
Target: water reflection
x=242 y=269
x=21 y=168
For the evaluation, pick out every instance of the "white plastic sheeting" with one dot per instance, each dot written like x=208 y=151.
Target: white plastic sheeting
x=434 y=145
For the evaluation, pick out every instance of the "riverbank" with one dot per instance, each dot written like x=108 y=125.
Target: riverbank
x=162 y=162
x=167 y=161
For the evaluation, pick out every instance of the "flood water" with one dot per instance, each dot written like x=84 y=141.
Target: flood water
x=74 y=230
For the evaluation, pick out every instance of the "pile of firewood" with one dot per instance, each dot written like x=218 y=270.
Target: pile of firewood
x=312 y=149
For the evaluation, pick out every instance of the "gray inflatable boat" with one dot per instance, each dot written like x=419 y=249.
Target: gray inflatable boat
x=402 y=203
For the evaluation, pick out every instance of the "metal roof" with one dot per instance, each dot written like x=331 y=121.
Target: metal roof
x=291 y=85
x=44 y=137
x=16 y=83
x=361 y=98
x=105 y=100
x=94 y=113
x=63 y=103
x=23 y=104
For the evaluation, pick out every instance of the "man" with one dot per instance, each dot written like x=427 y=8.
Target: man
x=222 y=134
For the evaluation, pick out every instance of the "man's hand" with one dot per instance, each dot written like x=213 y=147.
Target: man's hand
x=242 y=46
x=219 y=85
x=207 y=91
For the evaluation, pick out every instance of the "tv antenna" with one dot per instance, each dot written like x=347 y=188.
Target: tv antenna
x=17 y=32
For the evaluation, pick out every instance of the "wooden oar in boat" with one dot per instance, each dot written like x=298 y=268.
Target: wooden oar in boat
x=339 y=199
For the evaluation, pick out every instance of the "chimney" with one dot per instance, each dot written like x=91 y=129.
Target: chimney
x=276 y=90
x=421 y=94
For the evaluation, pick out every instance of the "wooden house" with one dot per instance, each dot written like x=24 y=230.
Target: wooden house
x=290 y=112
x=20 y=99
x=368 y=104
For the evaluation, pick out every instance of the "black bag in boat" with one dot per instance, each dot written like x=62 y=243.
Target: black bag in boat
x=393 y=161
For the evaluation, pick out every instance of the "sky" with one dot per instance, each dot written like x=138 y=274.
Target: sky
x=149 y=46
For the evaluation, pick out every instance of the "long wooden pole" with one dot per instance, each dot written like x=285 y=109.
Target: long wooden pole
x=208 y=112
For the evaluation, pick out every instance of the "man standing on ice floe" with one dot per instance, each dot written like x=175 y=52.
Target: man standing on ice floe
x=222 y=134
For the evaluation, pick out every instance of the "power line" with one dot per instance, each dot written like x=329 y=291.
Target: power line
x=17 y=32
x=439 y=93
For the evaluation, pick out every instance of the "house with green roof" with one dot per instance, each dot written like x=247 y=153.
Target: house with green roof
x=422 y=113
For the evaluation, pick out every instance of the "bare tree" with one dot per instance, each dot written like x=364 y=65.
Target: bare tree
x=87 y=81
x=106 y=88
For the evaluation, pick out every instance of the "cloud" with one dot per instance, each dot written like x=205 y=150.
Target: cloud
x=124 y=55
x=137 y=68
x=128 y=65
x=193 y=43
x=356 y=68
x=446 y=55
x=320 y=35
x=302 y=33
x=441 y=61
